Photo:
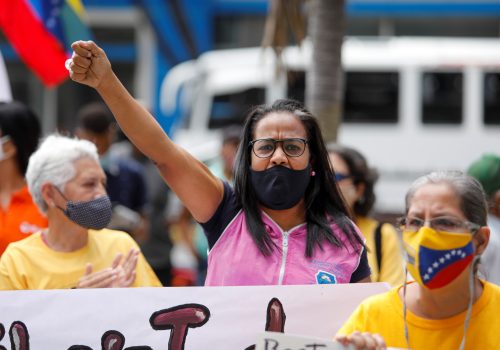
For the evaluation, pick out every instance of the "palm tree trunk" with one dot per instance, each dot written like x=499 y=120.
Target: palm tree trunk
x=324 y=83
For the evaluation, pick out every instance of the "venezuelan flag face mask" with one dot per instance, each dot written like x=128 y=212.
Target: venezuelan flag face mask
x=436 y=258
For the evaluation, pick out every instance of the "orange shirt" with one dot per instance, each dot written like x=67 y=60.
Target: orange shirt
x=21 y=219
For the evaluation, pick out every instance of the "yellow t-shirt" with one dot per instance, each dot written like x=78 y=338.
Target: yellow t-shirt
x=392 y=270
x=31 y=264
x=383 y=314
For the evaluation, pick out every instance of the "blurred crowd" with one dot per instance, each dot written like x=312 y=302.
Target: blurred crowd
x=90 y=210
x=170 y=239
x=141 y=203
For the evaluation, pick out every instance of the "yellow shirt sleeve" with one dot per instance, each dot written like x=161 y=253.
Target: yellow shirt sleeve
x=145 y=276
x=355 y=322
x=10 y=276
x=383 y=314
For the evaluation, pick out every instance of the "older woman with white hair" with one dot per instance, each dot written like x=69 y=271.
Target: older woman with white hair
x=75 y=251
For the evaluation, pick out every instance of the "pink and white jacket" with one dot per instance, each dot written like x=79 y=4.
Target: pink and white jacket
x=235 y=260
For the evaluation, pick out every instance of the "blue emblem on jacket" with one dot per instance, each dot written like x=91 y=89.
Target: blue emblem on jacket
x=323 y=277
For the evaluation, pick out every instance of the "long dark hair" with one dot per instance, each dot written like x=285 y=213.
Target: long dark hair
x=323 y=201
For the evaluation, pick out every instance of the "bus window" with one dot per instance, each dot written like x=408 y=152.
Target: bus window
x=442 y=97
x=491 y=98
x=371 y=97
x=232 y=108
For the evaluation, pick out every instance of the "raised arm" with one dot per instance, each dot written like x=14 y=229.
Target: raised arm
x=199 y=190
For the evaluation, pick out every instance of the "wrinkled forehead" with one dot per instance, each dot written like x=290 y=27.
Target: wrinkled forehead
x=279 y=125
x=436 y=197
x=86 y=167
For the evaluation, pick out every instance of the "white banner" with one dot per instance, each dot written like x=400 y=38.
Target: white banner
x=173 y=318
x=283 y=341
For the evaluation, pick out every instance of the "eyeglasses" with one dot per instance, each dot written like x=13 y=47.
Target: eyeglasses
x=264 y=148
x=441 y=223
x=340 y=176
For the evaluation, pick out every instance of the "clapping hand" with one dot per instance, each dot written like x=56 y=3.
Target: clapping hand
x=119 y=274
x=125 y=271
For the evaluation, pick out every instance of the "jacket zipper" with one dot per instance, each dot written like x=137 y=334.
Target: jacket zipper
x=284 y=251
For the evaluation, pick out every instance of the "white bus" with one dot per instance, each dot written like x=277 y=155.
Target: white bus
x=411 y=105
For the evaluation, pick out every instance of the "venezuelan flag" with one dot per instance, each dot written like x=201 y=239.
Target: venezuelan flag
x=41 y=32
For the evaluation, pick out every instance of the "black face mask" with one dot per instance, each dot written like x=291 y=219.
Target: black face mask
x=279 y=187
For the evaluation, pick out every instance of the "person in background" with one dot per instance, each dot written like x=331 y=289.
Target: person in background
x=157 y=245
x=283 y=223
x=487 y=171
x=356 y=181
x=223 y=166
x=447 y=306
x=19 y=135
x=188 y=236
x=75 y=251
x=126 y=184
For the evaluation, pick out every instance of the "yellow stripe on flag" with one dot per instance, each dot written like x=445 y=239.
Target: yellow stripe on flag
x=77 y=6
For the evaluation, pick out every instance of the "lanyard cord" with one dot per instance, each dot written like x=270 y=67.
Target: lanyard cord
x=407 y=336
x=471 y=300
x=469 y=307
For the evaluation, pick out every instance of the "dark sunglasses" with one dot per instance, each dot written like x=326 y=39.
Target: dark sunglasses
x=340 y=177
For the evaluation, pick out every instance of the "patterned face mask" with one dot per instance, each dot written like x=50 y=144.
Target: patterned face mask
x=436 y=258
x=94 y=214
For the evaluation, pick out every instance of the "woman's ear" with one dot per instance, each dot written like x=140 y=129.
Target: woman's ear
x=312 y=161
x=482 y=238
x=360 y=190
x=48 y=194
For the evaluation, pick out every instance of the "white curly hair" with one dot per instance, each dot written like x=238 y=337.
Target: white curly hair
x=53 y=162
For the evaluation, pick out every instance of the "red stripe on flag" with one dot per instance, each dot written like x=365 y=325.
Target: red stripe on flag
x=449 y=273
x=32 y=42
